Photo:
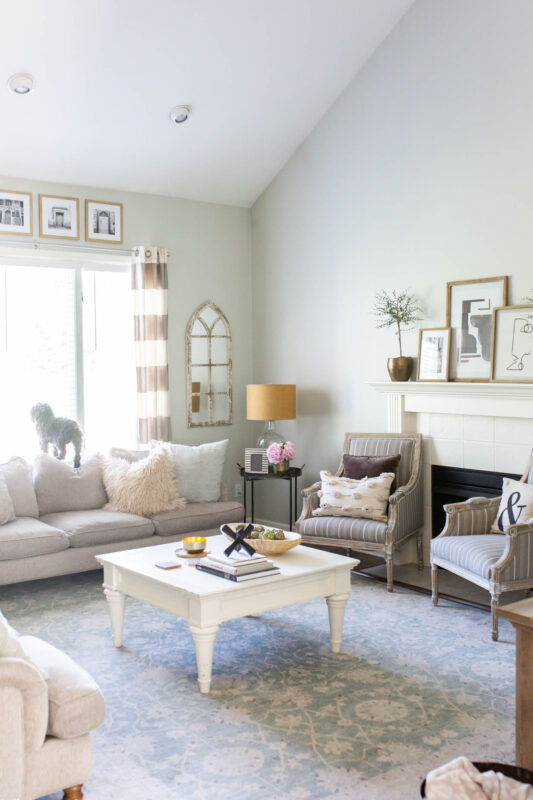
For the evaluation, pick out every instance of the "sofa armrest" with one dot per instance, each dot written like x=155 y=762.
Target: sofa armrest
x=310 y=502
x=24 y=690
x=474 y=516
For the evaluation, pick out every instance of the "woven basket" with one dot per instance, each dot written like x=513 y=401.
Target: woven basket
x=270 y=547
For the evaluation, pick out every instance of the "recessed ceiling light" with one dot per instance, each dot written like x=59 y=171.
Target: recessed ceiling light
x=179 y=114
x=21 y=83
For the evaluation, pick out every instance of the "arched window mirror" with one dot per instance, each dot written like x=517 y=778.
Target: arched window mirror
x=209 y=368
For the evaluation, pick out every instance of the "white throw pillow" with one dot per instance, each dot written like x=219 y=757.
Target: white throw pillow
x=516 y=506
x=10 y=646
x=198 y=469
x=60 y=487
x=145 y=487
x=17 y=475
x=7 y=509
x=346 y=497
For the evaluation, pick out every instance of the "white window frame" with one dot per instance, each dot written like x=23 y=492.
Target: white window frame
x=67 y=260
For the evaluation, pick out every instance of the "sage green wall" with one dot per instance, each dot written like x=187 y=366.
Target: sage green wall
x=420 y=173
x=209 y=259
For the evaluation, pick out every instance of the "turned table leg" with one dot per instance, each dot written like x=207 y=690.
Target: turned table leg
x=115 y=602
x=204 y=644
x=336 y=605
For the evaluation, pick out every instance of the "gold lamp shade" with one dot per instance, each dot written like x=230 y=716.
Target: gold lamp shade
x=270 y=401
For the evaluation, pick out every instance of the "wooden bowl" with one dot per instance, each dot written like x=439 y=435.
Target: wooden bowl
x=269 y=547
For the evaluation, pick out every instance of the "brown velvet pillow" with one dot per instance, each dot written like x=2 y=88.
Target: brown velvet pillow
x=359 y=467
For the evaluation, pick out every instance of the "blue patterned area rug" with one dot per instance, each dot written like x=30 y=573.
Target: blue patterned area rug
x=286 y=719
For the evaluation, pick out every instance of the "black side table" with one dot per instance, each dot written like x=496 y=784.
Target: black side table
x=292 y=475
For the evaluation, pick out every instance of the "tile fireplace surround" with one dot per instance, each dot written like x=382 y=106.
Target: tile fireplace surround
x=485 y=426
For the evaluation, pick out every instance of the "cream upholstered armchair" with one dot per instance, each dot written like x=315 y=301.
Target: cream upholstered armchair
x=45 y=724
x=498 y=562
x=405 y=511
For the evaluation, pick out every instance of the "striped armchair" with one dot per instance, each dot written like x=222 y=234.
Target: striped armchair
x=405 y=513
x=498 y=562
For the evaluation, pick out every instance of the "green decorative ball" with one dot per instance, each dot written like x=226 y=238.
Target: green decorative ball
x=279 y=535
x=268 y=535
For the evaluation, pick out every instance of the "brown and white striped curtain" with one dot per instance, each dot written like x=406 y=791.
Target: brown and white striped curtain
x=149 y=282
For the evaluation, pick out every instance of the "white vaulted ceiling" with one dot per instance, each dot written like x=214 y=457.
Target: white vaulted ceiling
x=258 y=75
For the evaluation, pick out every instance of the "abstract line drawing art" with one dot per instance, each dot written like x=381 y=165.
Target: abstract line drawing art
x=512 y=349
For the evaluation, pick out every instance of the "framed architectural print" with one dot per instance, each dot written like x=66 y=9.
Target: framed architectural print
x=512 y=348
x=103 y=222
x=59 y=217
x=434 y=354
x=469 y=307
x=16 y=215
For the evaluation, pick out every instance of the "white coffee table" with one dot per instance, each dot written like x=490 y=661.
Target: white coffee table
x=205 y=600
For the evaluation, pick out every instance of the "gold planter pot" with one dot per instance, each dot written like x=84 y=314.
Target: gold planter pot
x=283 y=466
x=400 y=368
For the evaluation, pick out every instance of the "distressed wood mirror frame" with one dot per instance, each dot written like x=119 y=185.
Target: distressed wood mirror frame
x=209 y=367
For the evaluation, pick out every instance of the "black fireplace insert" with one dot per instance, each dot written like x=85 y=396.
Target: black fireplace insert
x=455 y=485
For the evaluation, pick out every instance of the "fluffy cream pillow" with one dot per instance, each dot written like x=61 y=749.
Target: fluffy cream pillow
x=516 y=506
x=145 y=487
x=347 y=497
x=7 y=510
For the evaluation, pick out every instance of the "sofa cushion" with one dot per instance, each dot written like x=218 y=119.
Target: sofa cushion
x=75 y=703
x=25 y=537
x=197 y=517
x=97 y=526
x=362 y=530
x=7 y=509
x=60 y=487
x=477 y=553
x=17 y=474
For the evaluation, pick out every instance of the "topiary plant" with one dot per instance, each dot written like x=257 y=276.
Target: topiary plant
x=397 y=308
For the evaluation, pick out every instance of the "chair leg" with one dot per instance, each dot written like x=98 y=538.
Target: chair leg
x=420 y=550
x=388 y=559
x=434 y=584
x=73 y=792
x=494 y=603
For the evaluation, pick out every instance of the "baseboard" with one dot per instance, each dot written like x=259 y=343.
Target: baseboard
x=268 y=523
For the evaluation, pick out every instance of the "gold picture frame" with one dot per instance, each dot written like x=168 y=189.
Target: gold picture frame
x=517 y=344
x=475 y=364
x=113 y=226
x=5 y=194
x=55 y=221
x=444 y=355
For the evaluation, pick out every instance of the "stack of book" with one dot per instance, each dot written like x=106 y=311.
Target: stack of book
x=238 y=566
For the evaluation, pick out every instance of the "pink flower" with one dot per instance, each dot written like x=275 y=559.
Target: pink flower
x=275 y=453
x=289 y=450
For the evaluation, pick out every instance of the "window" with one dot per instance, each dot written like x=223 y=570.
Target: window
x=66 y=338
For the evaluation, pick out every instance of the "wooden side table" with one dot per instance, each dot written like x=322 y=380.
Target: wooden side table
x=292 y=475
x=521 y=615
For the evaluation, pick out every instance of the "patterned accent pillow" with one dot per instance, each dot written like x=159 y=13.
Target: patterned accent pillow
x=144 y=487
x=7 y=509
x=346 y=497
x=516 y=506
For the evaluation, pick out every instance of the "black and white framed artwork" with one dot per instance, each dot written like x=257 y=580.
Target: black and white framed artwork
x=16 y=213
x=434 y=354
x=512 y=351
x=59 y=217
x=469 y=307
x=103 y=222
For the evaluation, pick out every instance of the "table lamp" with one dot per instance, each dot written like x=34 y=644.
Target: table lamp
x=269 y=402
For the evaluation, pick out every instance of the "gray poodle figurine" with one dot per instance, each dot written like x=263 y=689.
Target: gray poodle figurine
x=57 y=431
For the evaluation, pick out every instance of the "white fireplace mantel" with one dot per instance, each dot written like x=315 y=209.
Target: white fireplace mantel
x=476 y=399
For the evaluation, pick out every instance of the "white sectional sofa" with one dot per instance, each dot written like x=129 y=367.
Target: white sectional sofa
x=60 y=523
